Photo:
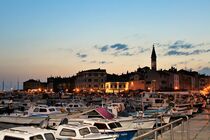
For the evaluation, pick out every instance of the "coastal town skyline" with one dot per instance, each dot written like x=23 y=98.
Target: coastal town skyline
x=42 y=39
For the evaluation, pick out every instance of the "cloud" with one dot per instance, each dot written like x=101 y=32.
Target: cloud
x=205 y=70
x=180 y=44
x=81 y=55
x=117 y=49
x=104 y=62
x=174 y=52
x=114 y=47
x=142 y=50
x=120 y=49
x=119 y=46
x=183 y=62
x=104 y=48
x=122 y=54
x=195 y=52
x=98 y=62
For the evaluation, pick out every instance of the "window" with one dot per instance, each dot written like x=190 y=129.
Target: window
x=51 y=109
x=70 y=105
x=68 y=109
x=58 y=109
x=112 y=125
x=159 y=101
x=43 y=110
x=36 y=110
x=118 y=124
x=37 y=137
x=84 y=131
x=12 y=138
x=68 y=132
x=94 y=130
x=76 y=105
x=49 y=136
x=100 y=126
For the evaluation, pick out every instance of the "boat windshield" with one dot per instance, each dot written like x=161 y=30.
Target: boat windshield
x=158 y=100
x=94 y=130
x=118 y=124
x=37 y=137
x=84 y=131
x=112 y=125
x=68 y=132
x=12 y=138
x=51 y=109
x=49 y=136
x=43 y=110
x=101 y=126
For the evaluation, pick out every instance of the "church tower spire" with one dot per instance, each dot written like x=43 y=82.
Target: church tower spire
x=153 y=59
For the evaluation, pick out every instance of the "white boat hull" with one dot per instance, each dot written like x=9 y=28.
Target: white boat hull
x=138 y=123
x=21 y=120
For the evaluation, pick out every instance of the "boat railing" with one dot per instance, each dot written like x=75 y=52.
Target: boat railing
x=170 y=126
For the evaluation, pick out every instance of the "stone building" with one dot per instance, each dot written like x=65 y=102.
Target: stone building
x=91 y=80
x=35 y=85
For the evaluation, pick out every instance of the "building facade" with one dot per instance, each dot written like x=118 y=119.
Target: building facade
x=91 y=80
x=59 y=84
x=116 y=87
x=35 y=85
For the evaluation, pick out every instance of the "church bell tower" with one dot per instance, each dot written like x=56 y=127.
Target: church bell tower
x=153 y=59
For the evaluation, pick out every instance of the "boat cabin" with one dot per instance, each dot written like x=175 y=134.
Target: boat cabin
x=104 y=124
x=26 y=133
x=74 y=107
x=43 y=110
x=79 y=131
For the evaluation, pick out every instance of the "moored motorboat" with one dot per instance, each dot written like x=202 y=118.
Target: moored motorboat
x=26 y=133
x=79 y=131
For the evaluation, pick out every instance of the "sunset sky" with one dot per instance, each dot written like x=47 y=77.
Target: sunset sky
x=42 y=38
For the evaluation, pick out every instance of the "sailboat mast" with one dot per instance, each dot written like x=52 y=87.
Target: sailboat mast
x=18 y=84
x=3 y=85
